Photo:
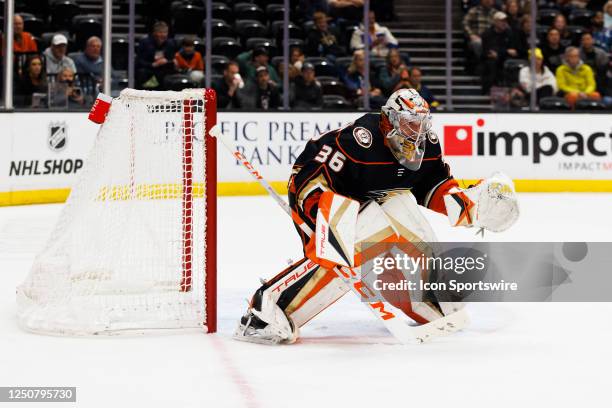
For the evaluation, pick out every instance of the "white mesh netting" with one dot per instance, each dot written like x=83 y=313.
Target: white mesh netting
x=128 y=250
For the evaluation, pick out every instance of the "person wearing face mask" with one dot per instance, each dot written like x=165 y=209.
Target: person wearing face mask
x=190 y=61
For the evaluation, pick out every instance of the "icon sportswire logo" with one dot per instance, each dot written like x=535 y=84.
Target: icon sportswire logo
x=480 y=140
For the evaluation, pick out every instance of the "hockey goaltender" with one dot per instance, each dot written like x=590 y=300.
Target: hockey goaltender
x=355 y=184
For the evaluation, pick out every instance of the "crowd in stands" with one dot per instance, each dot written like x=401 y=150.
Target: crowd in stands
x=45 y=76
x=327 y=40
x=572 y=59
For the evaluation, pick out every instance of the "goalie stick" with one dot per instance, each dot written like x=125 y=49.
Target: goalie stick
x=402 y=328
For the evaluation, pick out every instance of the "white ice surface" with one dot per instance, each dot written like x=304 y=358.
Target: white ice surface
x=513 y=355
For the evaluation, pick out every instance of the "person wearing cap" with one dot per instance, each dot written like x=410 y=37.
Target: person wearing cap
x=55 y=55
x=498 y=44
x=250 y=60
x=262 y=93
x=306 y=92
x=545 y=84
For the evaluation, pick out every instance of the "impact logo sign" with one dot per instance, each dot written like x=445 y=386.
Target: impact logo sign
x=57 y=138
x=587 y=151
x=458 y=140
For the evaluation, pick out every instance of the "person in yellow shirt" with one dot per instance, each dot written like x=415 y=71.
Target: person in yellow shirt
x=576 y=79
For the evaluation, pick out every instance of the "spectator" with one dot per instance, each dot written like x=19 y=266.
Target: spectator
x=351 y=10
x=34 y=80
x=323 y=40
x=190 y=61
x=545 y=85
x=416 y=77
x=389 y=75
x=90 y=60
x=514 y=15
x=55 y=55
x=379 y=39
x=498 y=45
x=601 y=35
x=296 y=61
x=475 y=22
x=64 y=92
x=354 y=81
x=522 y=36
x=262 y=93
x=553 y=50
x=404 y=80
x=154 y=57
x=228 y=86
x=23 y=42
x=560 y=23
x=251 y=60
x=596 y=58
x=608 y=15
x=307 y=92
x=576 y=79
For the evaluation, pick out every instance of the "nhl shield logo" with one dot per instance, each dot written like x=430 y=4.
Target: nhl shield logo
x=363 y=137
x=57 y=136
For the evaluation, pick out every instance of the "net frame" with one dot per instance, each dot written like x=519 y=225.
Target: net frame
x=32 y=310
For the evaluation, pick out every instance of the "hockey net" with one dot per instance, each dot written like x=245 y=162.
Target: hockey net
x=134 y=247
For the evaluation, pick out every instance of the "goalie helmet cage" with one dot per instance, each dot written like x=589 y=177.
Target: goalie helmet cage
x=135 y=245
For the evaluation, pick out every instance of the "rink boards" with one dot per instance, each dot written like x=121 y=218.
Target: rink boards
x=41 y=154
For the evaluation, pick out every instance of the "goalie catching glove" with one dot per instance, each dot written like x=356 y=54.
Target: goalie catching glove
x=491 y=204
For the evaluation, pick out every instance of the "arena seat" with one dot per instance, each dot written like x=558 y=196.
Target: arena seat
x=335 y=102
x=177 y=82
x=119 y=51
x=85 y=26
x=250 y=28
x=323 y=67
x=553 y=103
x=276 y=28
x=62 y=12
x=260 y=42
x=249 y=11
x=581 y=17
x=219 y=28
x=512 y=67
x=223 y=12
x=275 y=12
x=576 y=32
x=226 y=46
x=547 y=15
x=590 y=105
x=333 y=86
x=33 y=24
x=218 y=63
x=188 y=18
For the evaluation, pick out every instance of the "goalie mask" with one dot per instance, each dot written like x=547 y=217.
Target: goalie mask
x=406 y=122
